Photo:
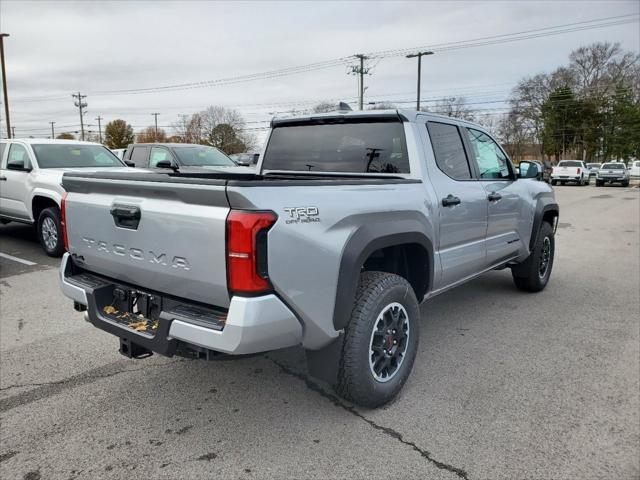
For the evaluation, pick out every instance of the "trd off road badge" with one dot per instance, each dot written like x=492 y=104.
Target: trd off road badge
x=302 y=214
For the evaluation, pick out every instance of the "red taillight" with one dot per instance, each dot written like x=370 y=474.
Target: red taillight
x=578 y=170
x=247 y=251
x=63 y=220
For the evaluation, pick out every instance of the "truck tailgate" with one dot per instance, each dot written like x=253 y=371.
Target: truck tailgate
x=158 y=235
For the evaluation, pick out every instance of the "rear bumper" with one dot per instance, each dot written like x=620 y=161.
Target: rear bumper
x=251 y=325
x=612 y=179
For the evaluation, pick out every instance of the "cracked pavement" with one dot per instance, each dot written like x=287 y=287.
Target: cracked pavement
x=505 y=385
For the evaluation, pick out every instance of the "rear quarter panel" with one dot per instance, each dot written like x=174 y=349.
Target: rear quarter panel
x=305 y=253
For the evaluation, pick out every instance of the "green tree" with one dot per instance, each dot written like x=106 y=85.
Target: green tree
x=560 y=120
x=118 y=134
x=225 y=137
x=623 y=126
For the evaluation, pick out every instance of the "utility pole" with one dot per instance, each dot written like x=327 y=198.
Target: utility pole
x=99 y=118
x=53 y=135
x=419 y=55
x=80 y=104
x=155 y=136
x=13 y=132
x=360 y=70
x=4 y=85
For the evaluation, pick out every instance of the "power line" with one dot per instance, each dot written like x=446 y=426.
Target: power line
x=480 y=41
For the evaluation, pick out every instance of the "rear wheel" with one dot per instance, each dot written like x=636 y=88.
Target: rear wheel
x=380 y=340
x=533 y=274
x=625 y=183
x=50 y=232
x=563 y=182
x=554 y=182
x=599 y=183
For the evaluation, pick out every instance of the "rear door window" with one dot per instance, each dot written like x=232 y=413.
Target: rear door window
x=449 y=150
x=355 y=147
x=140 y=156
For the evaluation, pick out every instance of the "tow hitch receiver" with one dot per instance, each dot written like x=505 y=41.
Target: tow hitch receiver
x=133 y=350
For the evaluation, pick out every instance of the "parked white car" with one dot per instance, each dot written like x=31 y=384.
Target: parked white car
x=593 y=168
x=613 y=172
x=634 y=168
x=570 y=171
x=30 y=182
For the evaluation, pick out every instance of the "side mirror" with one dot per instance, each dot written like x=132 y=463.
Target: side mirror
x=17 y=165
x=129 y=163
x=167 y=164
x=529 y=170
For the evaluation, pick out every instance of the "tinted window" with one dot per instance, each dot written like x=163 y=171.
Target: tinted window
x=449 y=150
x=364 y=147
x=593 y=165
x=71 y=156
x=570 y=163
x=17 y=153
x=492 y=162
x=614 y=166
x=139 y=156
x=159 y=154
x=201 y=156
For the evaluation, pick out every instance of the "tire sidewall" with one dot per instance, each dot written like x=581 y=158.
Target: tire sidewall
x=360 y=340
x=54 y=214
x=546 y=231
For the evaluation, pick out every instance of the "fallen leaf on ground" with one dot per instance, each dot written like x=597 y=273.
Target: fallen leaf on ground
x=109 y=309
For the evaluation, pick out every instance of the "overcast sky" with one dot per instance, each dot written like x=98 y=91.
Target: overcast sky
x=58 y=48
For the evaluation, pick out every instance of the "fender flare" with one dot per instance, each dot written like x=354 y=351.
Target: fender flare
x=543 y=206
x=362 y=243
x=40 y=192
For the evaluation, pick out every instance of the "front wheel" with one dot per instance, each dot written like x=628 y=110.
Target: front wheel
x=625 y=183
x=50 y=232
x=380 y=340
x=533 y=274
x=554 y=182
x=563 y=182
x=598 y=183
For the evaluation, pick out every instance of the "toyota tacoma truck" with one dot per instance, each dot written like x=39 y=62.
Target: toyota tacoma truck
x=30 y=174
x=350 y=220
x=613 y=172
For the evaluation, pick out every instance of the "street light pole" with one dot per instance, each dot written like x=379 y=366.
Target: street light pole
x=4 y=84
x=419 y=55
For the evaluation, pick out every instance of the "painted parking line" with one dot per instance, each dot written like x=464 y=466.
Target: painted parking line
x=16 y=259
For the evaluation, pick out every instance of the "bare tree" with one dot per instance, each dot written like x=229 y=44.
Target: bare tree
x=148 y=135
x=324 y=107
x=453 y=107
x=383 y=106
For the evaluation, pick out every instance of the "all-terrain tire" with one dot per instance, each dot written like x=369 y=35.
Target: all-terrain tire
x=529 y=275
x=357 y=381
x=49 y=232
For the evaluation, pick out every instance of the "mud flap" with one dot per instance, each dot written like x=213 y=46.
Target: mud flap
x=324 y=364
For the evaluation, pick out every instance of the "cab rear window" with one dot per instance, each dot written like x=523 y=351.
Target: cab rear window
x=352 y=147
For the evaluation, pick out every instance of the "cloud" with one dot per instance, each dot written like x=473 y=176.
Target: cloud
x=59 y=48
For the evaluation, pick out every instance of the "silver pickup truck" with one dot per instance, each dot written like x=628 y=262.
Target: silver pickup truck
x=349 y=222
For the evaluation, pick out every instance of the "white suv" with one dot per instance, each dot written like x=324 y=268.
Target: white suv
x=30 y=181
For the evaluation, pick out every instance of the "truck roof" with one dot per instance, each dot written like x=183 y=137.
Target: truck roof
x=40 y=141
x=403 y=114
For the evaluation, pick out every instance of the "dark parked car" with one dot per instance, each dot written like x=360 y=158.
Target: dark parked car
x=171 y=155
x=245 y=159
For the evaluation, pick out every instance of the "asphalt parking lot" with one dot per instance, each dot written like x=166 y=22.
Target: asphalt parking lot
x=505 y=385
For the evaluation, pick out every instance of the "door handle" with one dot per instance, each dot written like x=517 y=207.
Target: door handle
x=450 y=201
x=494 y=197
